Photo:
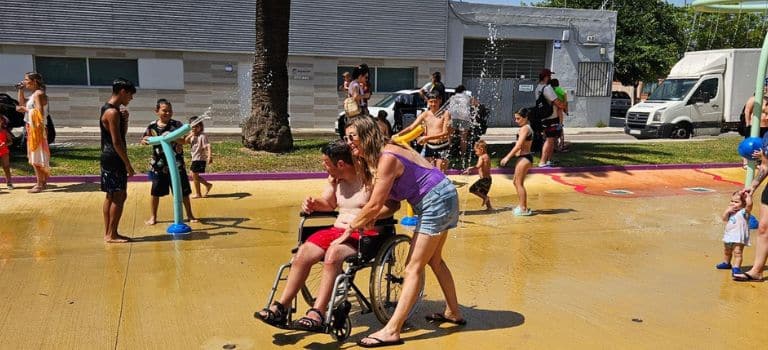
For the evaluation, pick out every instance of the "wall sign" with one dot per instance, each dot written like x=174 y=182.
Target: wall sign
x=301 y=73
x=525 y=87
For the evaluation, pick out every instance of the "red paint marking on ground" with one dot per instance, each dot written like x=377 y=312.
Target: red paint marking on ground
x=719 y=178
x=577 y=188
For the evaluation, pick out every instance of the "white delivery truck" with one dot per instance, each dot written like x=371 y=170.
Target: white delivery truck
x=704 y=94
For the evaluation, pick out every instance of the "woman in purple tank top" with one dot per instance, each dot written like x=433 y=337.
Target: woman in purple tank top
x=397 y=173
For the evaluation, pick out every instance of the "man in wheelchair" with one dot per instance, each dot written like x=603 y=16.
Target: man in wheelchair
x=345 y=191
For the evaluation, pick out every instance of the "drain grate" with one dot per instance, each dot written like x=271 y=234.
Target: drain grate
x=619 y=192
x=699 y=189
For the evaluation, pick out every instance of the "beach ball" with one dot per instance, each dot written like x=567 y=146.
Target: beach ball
x=749 y=146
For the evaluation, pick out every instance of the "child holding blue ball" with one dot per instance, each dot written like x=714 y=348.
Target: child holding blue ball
x=736 y=234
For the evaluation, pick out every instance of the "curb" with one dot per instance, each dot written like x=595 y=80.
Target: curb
x=322 y=175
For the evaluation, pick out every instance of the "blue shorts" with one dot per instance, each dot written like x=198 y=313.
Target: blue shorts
x=438 y=211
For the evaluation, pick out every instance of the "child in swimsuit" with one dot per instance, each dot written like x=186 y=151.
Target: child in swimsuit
x=482 y=186
x=522 y=151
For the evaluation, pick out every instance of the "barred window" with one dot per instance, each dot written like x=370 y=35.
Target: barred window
x=595 y=79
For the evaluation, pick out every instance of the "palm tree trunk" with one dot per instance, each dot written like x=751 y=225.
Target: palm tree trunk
x=267 y=128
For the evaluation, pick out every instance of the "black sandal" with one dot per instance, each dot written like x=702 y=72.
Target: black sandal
x=310 y=324
x=273 y=318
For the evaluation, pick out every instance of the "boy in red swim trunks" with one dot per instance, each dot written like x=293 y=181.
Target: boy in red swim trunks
x=346 y=192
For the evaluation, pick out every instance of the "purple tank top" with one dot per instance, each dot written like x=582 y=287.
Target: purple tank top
x=415 y=182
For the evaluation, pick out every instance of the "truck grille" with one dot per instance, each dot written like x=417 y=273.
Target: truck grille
x=637 y=119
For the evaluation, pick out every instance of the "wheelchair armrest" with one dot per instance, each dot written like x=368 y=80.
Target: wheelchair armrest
x=319 y=214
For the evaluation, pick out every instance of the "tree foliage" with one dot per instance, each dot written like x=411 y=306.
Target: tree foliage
x=710 y=31
x=650 y=36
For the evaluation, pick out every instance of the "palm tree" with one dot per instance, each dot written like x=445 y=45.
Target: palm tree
x=267 y=128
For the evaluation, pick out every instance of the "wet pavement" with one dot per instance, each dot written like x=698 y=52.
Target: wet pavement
x=628 y=269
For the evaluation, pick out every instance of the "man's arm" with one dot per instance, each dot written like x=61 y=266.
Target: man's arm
x=326 y=201
x=112 y=119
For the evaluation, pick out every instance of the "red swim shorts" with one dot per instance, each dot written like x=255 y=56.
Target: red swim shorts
x=324 y=237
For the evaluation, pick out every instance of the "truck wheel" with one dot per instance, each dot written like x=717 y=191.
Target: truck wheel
x=681 y=131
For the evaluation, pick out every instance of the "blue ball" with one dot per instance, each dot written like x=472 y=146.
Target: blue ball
x=749 y=146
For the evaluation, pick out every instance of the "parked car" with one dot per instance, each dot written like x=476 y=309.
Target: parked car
x=409 y=103
x=620 y=103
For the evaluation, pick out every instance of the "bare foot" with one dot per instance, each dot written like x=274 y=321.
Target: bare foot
x=35 y=189
x=116 y=239
x=208 y=189
x=194 y=196
x=193 y=219
x=151 y=221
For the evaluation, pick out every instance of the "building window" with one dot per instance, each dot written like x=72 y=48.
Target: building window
x=104 y=71
x=384 y=79
x=62 y=71
x=394 y=79
x=594 y=79
x=86 y=71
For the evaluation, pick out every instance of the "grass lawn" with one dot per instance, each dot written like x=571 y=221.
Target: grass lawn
x=233 y=157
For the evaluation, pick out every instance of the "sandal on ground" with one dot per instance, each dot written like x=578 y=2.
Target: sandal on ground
x=746 y=278
x=723 y=266
x=309 y=324
x=440 y=318
x=379 y=343
x=273 y=318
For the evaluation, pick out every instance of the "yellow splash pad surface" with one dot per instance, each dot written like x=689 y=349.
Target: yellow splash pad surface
x=589 y=270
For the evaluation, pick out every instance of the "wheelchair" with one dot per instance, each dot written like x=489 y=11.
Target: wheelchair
x=386 y=254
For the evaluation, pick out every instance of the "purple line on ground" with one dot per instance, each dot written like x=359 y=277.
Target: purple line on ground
x=322 y=175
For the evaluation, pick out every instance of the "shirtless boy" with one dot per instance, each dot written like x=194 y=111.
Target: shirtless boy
x=483 y=185
x=345 y=191
x=437 y=131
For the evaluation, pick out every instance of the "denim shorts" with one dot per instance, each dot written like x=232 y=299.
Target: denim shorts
x=438 y=211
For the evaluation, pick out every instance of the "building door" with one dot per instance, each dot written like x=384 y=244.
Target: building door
x=503 y=75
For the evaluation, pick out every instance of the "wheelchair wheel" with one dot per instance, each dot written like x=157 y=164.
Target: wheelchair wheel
x=387 y=276
x=312 y=284
x=340 y=323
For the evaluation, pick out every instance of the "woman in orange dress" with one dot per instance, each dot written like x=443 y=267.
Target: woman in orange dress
x=35 y=109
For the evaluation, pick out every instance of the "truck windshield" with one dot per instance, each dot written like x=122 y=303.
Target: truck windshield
x=672 y=90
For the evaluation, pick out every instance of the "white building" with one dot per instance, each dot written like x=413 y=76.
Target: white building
x=197 y=54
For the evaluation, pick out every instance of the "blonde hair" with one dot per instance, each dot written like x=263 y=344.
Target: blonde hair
x=482 y=145
x=371 y=143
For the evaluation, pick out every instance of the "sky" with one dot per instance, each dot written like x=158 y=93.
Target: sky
x=517 y=2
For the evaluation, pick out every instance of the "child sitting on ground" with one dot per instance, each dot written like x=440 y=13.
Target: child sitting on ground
x=736 y=234
x=201 y=156
x=5 y=153
x=482 y=186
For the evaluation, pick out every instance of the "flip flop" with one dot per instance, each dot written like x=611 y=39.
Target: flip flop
x=379 y=343
x=440 y=318
x=747 y=278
